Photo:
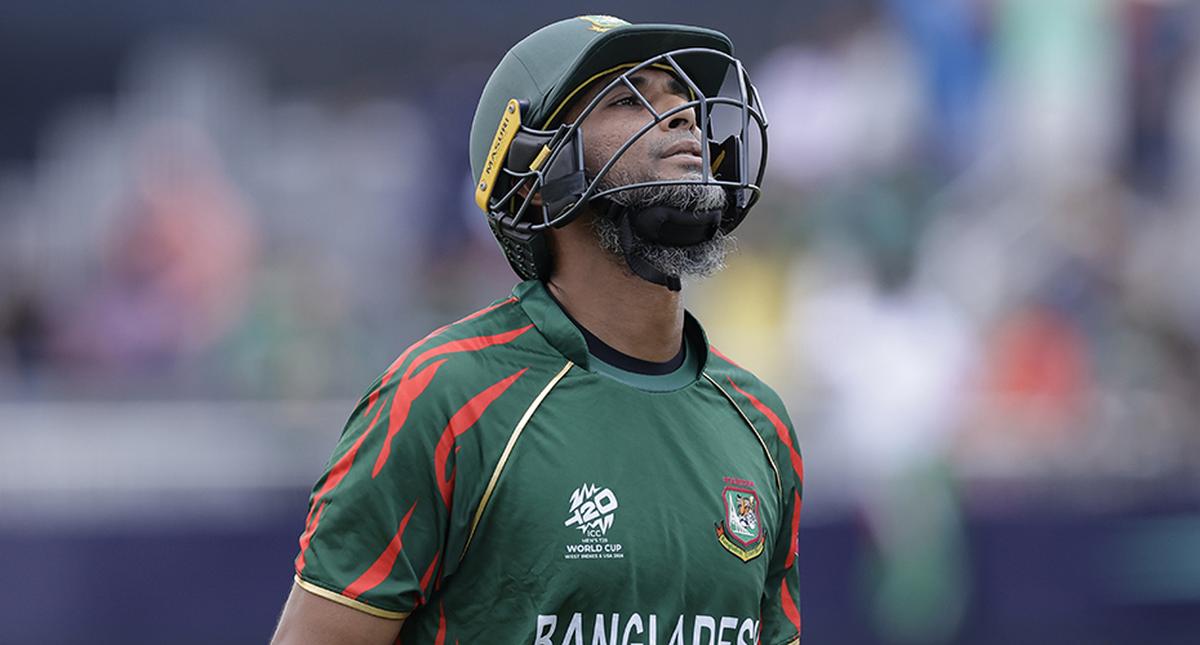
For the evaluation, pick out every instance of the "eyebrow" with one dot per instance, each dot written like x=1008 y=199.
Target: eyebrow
x=674 y=86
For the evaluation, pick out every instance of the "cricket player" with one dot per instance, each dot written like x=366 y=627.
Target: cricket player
x=575 y=463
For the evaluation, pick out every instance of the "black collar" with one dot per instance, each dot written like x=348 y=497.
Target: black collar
x=621 y=360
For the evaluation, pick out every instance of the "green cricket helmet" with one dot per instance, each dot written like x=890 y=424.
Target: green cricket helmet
x=521 y=148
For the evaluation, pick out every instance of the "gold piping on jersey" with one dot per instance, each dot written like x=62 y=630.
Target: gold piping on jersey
x=353 y=604
x=767 y=451
x=512 y=441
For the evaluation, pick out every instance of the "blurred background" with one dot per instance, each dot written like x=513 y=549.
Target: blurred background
x=972 y=278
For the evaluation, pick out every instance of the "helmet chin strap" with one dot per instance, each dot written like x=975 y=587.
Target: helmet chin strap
x=661 y=225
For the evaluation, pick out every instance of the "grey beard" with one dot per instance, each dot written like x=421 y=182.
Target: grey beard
x=698 y=260
x=685 y=197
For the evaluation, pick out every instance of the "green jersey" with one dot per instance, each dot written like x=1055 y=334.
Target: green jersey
x=491 y=488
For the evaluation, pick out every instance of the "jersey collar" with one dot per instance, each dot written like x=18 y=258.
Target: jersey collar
x=562 y=334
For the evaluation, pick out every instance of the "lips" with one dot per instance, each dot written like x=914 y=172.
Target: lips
x=687 y=148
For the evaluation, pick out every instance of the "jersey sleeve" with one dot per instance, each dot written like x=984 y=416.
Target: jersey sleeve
x=378 y=518
x=780 y=609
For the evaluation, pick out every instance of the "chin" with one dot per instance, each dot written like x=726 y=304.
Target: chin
x=681 y=170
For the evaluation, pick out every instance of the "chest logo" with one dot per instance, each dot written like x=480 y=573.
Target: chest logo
x=741 y=531
x=591 y=510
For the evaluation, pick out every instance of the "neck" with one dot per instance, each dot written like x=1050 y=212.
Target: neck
x=635 y=317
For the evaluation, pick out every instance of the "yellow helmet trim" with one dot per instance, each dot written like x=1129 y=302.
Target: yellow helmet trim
x=510 y=123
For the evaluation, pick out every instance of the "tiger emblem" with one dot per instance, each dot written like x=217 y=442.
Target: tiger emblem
x=743 y=517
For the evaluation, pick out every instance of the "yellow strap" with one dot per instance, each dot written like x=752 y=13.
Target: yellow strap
x=540 y=158
x=510 y=123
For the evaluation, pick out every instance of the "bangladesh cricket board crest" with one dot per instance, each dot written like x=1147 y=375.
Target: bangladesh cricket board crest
x=741 y=530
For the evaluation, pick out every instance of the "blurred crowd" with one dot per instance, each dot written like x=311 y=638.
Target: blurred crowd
x=974 y=250
x=992 y=215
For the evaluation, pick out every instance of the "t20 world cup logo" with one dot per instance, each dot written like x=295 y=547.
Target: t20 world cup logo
x=591 y=509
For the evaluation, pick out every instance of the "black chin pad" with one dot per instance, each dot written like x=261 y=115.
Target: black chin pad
x=638 y=264
x=674 y=227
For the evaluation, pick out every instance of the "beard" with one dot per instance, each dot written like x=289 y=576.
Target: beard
x=698 y=260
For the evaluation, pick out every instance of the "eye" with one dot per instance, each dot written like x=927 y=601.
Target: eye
x=626 y=101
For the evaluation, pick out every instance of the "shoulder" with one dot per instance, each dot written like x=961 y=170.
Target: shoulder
x=762 y=406
x=743 y=384
x=493 y=346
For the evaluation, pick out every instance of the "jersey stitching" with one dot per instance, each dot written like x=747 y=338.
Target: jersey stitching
x=512 y=441
x=329 y=594
x=761 y=442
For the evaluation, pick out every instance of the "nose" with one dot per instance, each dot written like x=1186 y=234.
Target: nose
x=681 y=120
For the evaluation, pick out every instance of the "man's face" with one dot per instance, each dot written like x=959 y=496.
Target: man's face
x=670 y=150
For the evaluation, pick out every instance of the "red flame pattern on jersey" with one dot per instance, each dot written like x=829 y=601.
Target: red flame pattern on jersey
x=462 y=421
x=307 y=535
x=440 y=639
x=382 y=567
x=789 y=604
x=425 y=579
x=795 y=535
x=391 y=370
x=780 y=429
x=407 y=391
